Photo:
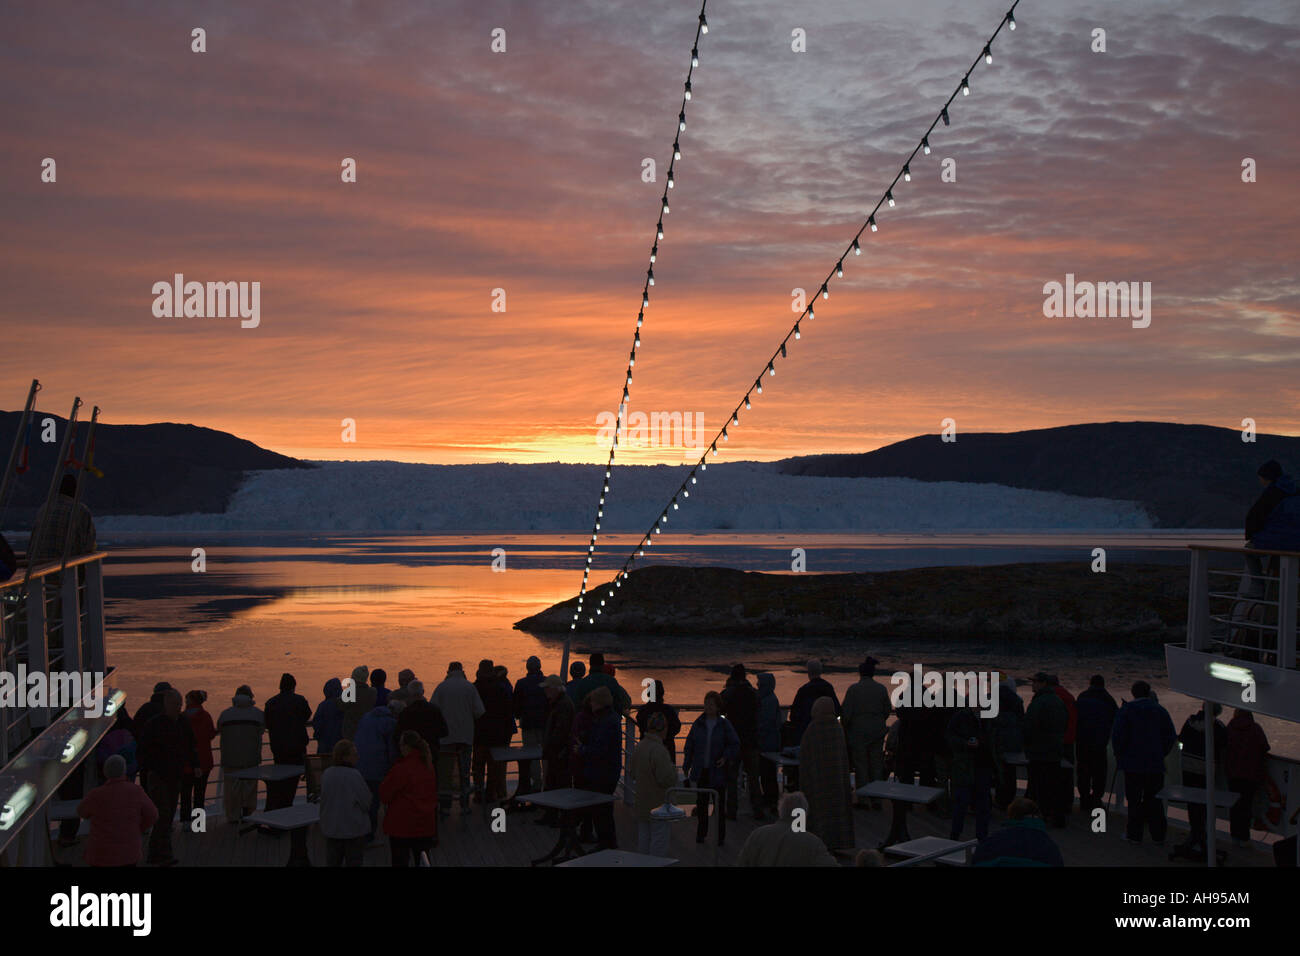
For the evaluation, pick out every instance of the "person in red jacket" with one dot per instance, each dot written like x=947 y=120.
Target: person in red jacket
x=1066 y=800
x=410 y=793
x=1247 y=770
x=194 y=783
x=120 y=813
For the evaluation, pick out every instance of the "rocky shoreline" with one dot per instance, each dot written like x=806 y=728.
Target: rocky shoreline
x=1137 y=604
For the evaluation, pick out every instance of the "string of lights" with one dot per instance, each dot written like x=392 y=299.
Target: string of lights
x=702 y=27
x=769 y=369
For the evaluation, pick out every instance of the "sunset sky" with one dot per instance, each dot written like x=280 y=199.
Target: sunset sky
x=522 y=171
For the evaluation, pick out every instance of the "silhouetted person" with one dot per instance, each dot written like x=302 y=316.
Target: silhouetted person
x=148 y=710
x=494 y=728
x=287 y=714
x=598 y=676
x=1008 y=739
x=824 y=776
x=377 y=751
x=358 y=700
x=1247 y=769
x=712 y=748
x=1046 y=720
x=864 y=714
x=421 y=716
x=1143 y=735
x=530 y=711
x=120 y=813
x=166 y=748
x=652 y=774
x=378 y=683
x=461 y=706
x=194 y=786
x=740 y=706
x=404 y=678
x=801 y=708
x=769 y=739
x=1096 y=718
x=599 y=751
x=327 y=722
x=658 y=704
x=1192 y=759
x=971 y=745
x=556 y=740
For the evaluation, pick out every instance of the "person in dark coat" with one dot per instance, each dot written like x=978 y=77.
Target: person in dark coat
x=166 y=748
x=379 y=681
x=740 y=706
x=148 y=710
x=557 y=738
x=970 y=742
x=658 y=704
x=530 y=712
x=327 y=722
x=493 y=729
x=769 y=739
x=801 y=708
x=287 y=714
x=1022 y=840
x=1096 y=711
x=1143 y=735
x=712 y=747
x=1046 y=720
x=1008 y=739
x=599 y=751
x=422 y=716
x=1191 y=740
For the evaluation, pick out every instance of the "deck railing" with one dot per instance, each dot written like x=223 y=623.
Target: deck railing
x=55 y=625
x=1244 y=607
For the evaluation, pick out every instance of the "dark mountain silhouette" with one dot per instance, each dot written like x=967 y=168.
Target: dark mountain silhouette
x=162 y=469
x=1187 y=476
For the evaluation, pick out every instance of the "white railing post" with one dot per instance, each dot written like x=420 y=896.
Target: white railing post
x=1198 y=602
x=1286 y=610
x=94 y=658
x=38 y=656
x=70 y=602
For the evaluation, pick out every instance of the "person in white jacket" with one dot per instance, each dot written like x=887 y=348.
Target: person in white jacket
x=461 y=706
x=344 y=808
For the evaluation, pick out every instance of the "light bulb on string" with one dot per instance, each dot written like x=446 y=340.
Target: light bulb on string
x=796 y=330
x=650 y=276
x=688 y=90
x=925 y=145
x=811 y=315
x=654 y=252
x=988 y=54
x=782 y=350
x=857 y=249
x=681 y=120
x=826 y=293
x=670 y=178
x=677 y=150
x=944 y=113
x=889 y=197
x=704 y=24
x=907 y=173
x=965 y=85
x=747 y=405
x=636 y=342
x=871 y=221
x=695 y=56
x=759 y=385
x=1011 y=20
x=666 y=209
x=839 y=269
x=771 y=369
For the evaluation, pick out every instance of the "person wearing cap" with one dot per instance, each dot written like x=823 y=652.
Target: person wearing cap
x=240 y=726
x=865 y=711
x=1045 y=721
x=120 y=813
x=530 y=710
x=1143 y=736
x=652 y=774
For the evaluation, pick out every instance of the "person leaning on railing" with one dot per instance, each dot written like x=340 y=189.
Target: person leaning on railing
x=65 y=519
x=240 y=726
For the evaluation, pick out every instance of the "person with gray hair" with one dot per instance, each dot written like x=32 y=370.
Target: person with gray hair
x=120 y=813
x=786 y=842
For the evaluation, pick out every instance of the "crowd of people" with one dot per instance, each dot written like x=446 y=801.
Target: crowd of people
x=408 y=755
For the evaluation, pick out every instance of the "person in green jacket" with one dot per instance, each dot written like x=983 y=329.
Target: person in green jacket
x=1045 y=723
x=596 y=677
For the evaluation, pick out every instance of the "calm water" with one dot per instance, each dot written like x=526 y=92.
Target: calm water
x=317 y=606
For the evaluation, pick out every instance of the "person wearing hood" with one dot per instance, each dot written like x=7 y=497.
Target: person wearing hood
x=1247 y=768
x=376 y=744
x=240 y=727
x=781 y=844
x=1142 y=737
x=1096 y=718
x=658 y=704
x=461 y=706
x=1008 y=739
x=327 y=722
x=287 y=715
x=740 y=706
x=1273 y=522
x=864 y=715
x=358 y=700
x=769 y=739
x=1022 y=840
x=824 y=774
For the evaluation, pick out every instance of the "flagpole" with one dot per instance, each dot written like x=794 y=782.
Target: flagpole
x=6 y=482
x=83 y=474
x=44 y=513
